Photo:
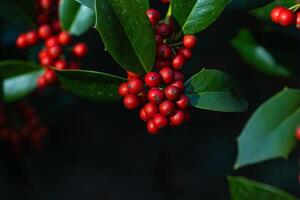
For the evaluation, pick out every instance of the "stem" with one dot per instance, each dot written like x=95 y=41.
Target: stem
x=295 y=7
x=168 y=15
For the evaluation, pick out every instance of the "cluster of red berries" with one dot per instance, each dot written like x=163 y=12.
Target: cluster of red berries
x=49 y=31
x=160 y=93
x=286 y=17
x=21 y=123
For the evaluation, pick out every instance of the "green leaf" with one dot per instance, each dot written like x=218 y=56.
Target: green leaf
x=12 y=68
x=214 y=90
x=248 y=4
x=246 y=189
x=91 y=85
x=91 y=3
x=257 y=56
x=127 y=33
x=269 y=133
x=75 y=18
x=195 y=15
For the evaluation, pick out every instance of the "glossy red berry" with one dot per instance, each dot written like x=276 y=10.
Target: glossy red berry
x=131 y=75
x=177 y=118
x=178 y=61
x=151 y=109
x=297 y=134
x=160 y=63
x=80 y=50
x=123 y=89
x=55 y=51
x=153 y=79
x=143 y=116
x=298 y=20
x=167 y=75
x=166 y=108
x=156 y=95
x=41 y=82
x=45 y=4
x=179 y=85
x=178 y=76
x=189 y=41
x=286 y=17
x=31 y=38
x=152 y=129
x=275 y=13
x=131 y=101
x=64 y=38
x=50 y=76
x=44 y=31
x=172 y=93
x=135 y=85
x=52 y=41
x=164 y=30
x=21 y=41
x=187 y=53
x=160 y=121
x=164 y=51
x=60 y=64
x=46 y=61
x=182 y=102
x=153 y=15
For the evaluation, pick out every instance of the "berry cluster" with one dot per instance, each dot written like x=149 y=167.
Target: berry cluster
x=286 y=17
x=49 y=31
x=160 y=93
x=21 y=123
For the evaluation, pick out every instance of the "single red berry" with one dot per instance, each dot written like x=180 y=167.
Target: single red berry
x=179 y=85
x=158 y=39
x=160 y=63
x=55 y=51
x=166 y=108
x=298 y=20
x=156 y=95
x=164 y=30
x=153 y=79
x=50 y=76
x=60 y=64
x=143 y=115
x=167 y=75
x=182 y=102
x=164 y=51
x=123 y=89
x=187 y=53
x=153 y=15
x=135 y=85
x=45 y=31
x=21 y=41
x=131 y=101
x=178 y=61
x=46 y=60
x=178 y=76
x=42 y=53
x=189 y=41
x=80 y=50
x=297 y=133
x=45 y=4
x=64 y=38
x=286 y=17
x=52 y=41
x=160 y=121
x=41 y=82
x=31 y=38
x=177 y=118
x=152 y=129
x=172 y=93
x=275 y=13
x=151 y=109
x=131 y=75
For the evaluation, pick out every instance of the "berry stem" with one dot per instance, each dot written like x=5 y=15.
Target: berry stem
x=295 y=7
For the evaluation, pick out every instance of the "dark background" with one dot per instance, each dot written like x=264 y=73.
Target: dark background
x=96 y=151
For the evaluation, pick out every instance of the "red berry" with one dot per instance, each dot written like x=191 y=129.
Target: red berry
x=64 y=38
x=187 y=53
x=156 y=95
x=152 y=129
x=166 y=108
x=179 y=85
x=45 y=31
x=52 y=41
x=45 y=4
x=153 y=79
x=189 y=41
x=31 y=38
x=162 y=63
x=131 y=75
x=165 y=1
x=172 y=93
x=164 y=30
x=143 y=115
x=80 y=50
x=21 y=41
x=298 y=20
x=182 y=102
x=131 y=101
x=286 y=17
x=160 y=121
x=151 y=109
x=178 y=61
x=177 y=119
x=42 y=53
x=153 y=15
x=123 y=89
x=297 y=133
x=41 y=82
x=164 y=51
x=167 y=75
x=135 y=85
x=55 y=51
x=56 y=26
x=60 y=64
x=46 y=61
x=275 y=13
x=178 y=76
x=50 y=76
x=158 y=39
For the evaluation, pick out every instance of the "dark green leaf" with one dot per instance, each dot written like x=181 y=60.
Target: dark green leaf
x=257 y=56
x=247 y=4
x=195 y=15
x=88 y=3
x=270 y=131
x=11 y=68
x=75 y=17
x=215 y=90
x=127 y=33
x=246 y=189
x=91 y=85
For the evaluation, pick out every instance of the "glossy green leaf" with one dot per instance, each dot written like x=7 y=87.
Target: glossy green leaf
x=214 y=90
x=257 y=56
x=195 y=15
x=269 y=133
x=248 y=4
x=91 y=85
x=12 y=68
x=127 y=33
x=88 y=3
x=75 y=18
x=245 y=189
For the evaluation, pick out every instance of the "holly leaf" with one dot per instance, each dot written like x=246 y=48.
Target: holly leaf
x=75 y=18
x=248 y=4
x=269 y=133
x=214 y=90
x=127 y=33
x=257 y=56
x=195 y=15
x=12 y=68
x=245 y=189
x=91 y=3
x=91 y=85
